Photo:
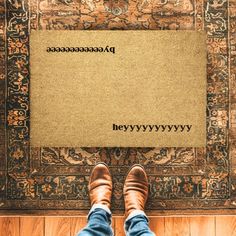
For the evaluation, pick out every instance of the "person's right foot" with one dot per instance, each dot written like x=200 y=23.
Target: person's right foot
x=135 y=189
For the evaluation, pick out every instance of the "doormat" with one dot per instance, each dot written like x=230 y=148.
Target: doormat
x=53 y=180
x=87 y=96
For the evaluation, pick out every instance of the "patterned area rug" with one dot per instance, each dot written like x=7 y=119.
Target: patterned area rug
x=182 y=180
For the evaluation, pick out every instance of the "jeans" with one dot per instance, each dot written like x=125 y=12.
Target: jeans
x=99 y=223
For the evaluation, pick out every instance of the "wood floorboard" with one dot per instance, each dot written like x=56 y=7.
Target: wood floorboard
x=204 y=226
x=57 y=226
x=119 y=226
x=157 y=225
x=161 y=226
x=177 y=226
x=225 y=226
x=32 y=226
x=9 y=226
x=76 y=224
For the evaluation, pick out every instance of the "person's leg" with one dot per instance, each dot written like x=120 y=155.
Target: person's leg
x=100 y=189
x=99 y=222
x=136 y=224
x=135 y=195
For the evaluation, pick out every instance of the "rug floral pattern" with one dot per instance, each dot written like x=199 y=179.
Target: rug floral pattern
x=56 y=178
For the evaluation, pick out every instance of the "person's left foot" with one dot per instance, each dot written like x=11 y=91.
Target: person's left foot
x=100 y=185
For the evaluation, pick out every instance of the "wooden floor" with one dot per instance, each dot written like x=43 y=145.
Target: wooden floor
x=162 y=226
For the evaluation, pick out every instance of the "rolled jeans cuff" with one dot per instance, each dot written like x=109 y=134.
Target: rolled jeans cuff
x=100 y=206
x=136 y=213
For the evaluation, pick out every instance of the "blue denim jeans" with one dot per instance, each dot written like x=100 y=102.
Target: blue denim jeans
x=99 y=223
